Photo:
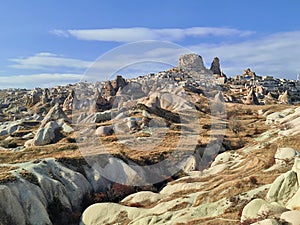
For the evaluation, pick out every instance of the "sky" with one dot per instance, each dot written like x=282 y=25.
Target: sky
x=48 y=43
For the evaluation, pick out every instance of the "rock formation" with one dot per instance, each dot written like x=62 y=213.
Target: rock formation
x=193 y=65
x=33 y=98
x=45 y=97
x=251 y=98
x=54 y=114
x=101 y=104
x=219 y=98
x=119 y=82
x=248 y=72
x=70 y=102
x=284 y=98
x=215 y=66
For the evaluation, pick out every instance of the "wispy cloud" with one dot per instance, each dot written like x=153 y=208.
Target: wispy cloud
x=142 y=33
x=275 y=54
x=45 y=60
x=38 y=80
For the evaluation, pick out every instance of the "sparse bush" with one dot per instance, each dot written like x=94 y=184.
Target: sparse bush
x=253 y=180
x=248 y=112
x=235 y=126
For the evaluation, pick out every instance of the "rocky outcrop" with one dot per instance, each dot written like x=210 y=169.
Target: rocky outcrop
x=284 y=98
x=101 y=104
x=119 y=83
x=49 y=130
x=248 y=72
x=193 y=65
x=46 y=134
x=251 y=98
x=54 y=114
x=70 y=102
x=33 y=98
x=215 y=66
x=39 y=185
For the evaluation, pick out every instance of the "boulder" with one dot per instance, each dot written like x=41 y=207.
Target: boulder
x=141 y=198
x=251 y=210
x=66 y=128
x=54 y=114
x=104 y=131
x=46 y=135
x=119 y=83
x=285 y=155
x=219 y=98
x=70 y=102
x=283 y=188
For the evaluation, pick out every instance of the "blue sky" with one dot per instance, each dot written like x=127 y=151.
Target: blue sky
x=46 y=43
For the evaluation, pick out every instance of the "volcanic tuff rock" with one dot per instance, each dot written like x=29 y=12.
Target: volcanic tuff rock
x=193 y=65
x=215 y=66
x=284 y=98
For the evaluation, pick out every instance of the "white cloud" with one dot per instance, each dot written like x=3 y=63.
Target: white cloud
x=38 y=80
x=276 y=54
x=45 y=60
x=142 y=33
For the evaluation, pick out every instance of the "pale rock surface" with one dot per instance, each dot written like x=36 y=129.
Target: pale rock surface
x=11 y=210
x=26 y=202
x=275 y=117
x=142 y=197
x=284 y=155
x=104 y=131
x=46 y=134
x=283 y=188
x=296 y=168
x=271 y=209
x=66 y=128
x=294 y=202
x=251 y=210
x=292 y=217
x=267 y=222
x=54 y=114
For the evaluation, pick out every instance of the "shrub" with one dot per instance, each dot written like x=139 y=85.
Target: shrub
x=253 y=180
x=235 y=126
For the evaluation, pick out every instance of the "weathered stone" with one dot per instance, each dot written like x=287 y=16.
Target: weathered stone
x=292 y=217
x=285 y=155
x=215 y=66
x=104 y=131
x=251 y=98
x=250 y=211
x=54 y=114
x=46 y=135
x=193 y=64
x=283 y=188
x=284 y=98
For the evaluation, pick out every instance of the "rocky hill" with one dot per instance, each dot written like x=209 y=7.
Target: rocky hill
x=176 y=147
